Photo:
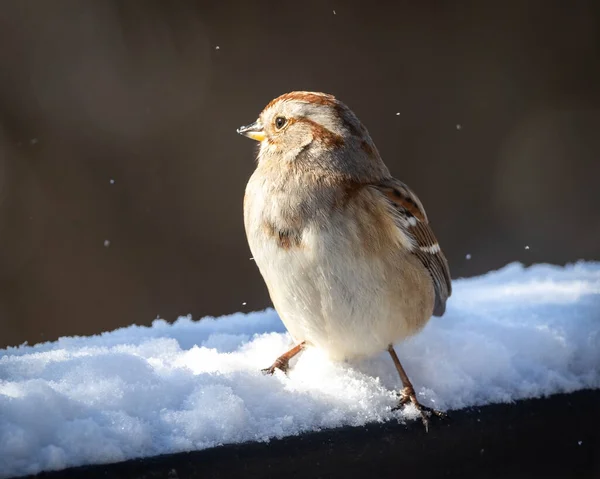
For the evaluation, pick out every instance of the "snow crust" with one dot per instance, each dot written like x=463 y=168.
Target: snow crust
x=142 y=391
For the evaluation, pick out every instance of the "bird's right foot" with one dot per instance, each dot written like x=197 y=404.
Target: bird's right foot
x=281 y=364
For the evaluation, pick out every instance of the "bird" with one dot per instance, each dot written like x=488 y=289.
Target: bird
x=350 y=261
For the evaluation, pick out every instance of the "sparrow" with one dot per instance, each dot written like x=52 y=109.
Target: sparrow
x=346 y=250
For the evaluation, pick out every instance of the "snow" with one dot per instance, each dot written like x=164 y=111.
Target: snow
x=142 y=391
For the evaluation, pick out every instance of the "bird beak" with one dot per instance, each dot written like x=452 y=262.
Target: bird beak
x=254 y=131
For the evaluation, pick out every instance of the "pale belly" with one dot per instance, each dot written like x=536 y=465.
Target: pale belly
x=331 y=294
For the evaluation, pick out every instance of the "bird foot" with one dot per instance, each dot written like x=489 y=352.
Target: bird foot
x=407 y=395
x=281 y=364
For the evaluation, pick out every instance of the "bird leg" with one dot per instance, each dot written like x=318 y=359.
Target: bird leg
x=283 y=362
x=407 y=395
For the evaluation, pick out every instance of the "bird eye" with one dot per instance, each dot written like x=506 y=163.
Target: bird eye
x=280 y=122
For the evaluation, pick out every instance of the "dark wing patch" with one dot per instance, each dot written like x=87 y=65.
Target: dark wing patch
x=413 y=221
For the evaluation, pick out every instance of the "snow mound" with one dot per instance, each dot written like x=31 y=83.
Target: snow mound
x=142 y=391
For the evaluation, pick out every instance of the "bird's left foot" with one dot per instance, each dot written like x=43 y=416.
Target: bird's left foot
x=407 y=395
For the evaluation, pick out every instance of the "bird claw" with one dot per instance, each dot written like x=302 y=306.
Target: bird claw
x=280 y=364
x=407 y=395
x=283 y=362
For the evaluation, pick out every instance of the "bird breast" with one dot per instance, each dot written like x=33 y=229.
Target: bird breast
x=337 y=275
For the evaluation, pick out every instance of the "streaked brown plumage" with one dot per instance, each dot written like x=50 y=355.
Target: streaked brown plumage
x=346 y=250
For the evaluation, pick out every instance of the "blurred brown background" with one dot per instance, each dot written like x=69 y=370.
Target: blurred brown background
x=498 y=132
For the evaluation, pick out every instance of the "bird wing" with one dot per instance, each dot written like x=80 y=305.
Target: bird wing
x=412 y=220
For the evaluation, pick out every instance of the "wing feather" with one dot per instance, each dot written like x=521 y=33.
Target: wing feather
x=412 y=220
